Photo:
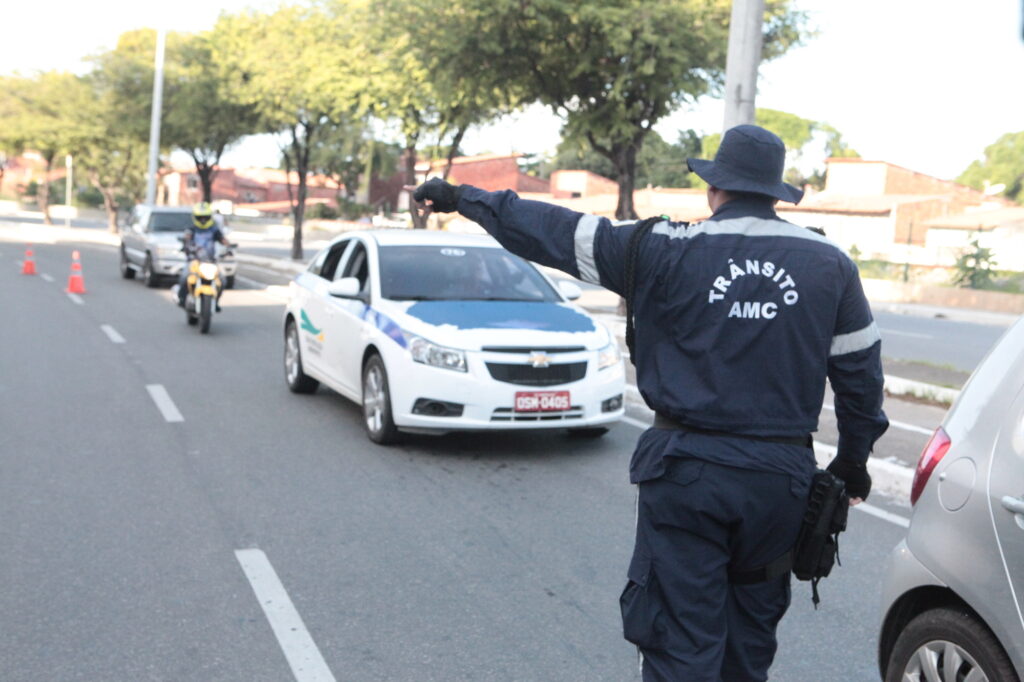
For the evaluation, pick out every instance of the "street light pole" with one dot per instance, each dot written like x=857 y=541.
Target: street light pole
x=154 y=121
x=742 y=60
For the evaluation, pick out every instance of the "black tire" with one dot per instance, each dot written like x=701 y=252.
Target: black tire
x=588 y=432
x=149 y=278
x=229 y=282
x=297 y=380
x=955 y=642
x=205 y=312
x=377 y=419
x=127 y=271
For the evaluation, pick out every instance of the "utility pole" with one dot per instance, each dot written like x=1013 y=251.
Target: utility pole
x=154 y=121
x=744 y=56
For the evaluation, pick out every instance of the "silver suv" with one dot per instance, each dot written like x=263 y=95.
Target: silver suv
x=150 y=245
x=954 y=588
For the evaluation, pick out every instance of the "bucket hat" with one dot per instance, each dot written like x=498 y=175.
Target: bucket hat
x=750 y=159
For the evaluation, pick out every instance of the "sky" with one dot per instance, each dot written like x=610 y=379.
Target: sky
x=924 y=84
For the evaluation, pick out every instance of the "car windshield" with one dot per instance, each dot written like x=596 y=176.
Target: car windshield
x=173 y=221
x=170 y=221
x=459 y=273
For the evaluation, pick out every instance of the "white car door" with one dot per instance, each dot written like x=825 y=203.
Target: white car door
x=348 y=334
x=316 y=310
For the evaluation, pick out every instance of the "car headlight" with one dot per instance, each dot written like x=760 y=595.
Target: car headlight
x=608 y=356
x=436 y=356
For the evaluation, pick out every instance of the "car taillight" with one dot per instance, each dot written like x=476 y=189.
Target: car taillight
x=933 y=452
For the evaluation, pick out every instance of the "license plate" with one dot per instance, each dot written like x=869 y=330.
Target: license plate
x=542 y=401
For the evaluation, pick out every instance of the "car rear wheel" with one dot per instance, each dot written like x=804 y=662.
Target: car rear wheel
x=380 y=427
x=127 y=271
x=298 y=381
x=948 y=644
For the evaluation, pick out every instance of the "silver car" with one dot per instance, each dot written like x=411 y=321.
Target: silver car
x=150 y=245
x=954 y=588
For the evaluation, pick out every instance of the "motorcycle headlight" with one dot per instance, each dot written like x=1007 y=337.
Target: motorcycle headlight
x=608 y=356
x=436 y=356
x=208 y=270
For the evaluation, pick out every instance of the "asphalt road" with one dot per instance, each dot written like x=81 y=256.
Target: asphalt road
x=171 y=512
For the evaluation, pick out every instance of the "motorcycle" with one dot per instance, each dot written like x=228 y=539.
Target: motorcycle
x=203 y=286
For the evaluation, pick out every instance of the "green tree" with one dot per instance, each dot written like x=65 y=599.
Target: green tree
x=300 y=68
x=433 y=91
x=1003 y=165
x=974 y=267
x=40 y=113
x=659 y=163
x=608 y=67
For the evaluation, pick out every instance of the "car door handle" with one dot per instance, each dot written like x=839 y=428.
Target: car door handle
x=1014 y=504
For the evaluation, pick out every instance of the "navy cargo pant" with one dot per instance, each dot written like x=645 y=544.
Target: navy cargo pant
x=689 y=623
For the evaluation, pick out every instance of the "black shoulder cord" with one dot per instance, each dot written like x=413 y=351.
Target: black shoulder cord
x=641 y=228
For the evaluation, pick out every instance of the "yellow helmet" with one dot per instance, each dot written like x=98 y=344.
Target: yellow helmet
x=202 y=215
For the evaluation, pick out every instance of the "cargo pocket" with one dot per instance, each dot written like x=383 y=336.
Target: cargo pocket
x=641 y=605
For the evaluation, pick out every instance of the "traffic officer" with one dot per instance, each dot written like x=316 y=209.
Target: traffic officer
x=739 y=321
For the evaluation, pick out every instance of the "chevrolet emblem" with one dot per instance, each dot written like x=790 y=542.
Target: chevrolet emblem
x=539 y=359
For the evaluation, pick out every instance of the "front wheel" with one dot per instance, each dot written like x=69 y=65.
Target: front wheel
x=205 y=313
x=948 y=644
x=127 y=271
x=298 y=381
x=380 y=426
x=149 y=278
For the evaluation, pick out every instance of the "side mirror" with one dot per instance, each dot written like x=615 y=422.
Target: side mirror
x=570 y=290
x=346 y=287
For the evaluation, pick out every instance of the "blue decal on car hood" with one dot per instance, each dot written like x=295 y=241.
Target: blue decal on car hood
x=537 y=315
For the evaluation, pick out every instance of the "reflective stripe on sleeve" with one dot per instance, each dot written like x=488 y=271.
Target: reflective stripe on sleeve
x=861 y=339
x=586 y=228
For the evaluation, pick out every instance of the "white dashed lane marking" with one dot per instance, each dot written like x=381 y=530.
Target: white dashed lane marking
x=76 y=299
x=304 y=658
x=46 y=277
x=164 y=403
x=112 y=333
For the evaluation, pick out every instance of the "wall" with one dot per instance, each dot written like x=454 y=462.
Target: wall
x=903 y=292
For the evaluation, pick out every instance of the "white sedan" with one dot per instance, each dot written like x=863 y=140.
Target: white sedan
x=434 y=332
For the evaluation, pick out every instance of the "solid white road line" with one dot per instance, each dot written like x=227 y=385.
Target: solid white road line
x=911 y=334
x=898 y=424
x=112 y=333
x=164 y=403
x=76 y=298
x=46 y=277
x=298 y=646
x=827 y=451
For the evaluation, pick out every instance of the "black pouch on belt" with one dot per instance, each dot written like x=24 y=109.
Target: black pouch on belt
x=817 y=545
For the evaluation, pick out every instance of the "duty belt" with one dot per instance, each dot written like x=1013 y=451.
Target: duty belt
x=663 y=422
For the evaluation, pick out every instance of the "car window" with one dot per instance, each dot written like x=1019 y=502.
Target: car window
x=331 y=258
x=459 y=273
x=357 y=266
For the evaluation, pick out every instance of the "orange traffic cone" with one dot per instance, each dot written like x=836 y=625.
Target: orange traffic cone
x=76 y=285
x=28 y=267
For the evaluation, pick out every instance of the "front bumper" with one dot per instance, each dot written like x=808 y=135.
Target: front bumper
x=595 y=399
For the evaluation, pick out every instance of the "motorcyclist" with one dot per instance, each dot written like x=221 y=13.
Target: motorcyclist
x=201 y=237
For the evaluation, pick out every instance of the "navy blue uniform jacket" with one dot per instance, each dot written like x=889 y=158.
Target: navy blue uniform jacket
x=739 y=320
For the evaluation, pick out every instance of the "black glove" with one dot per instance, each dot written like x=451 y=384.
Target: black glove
x=444 y=196
x=854 y=475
